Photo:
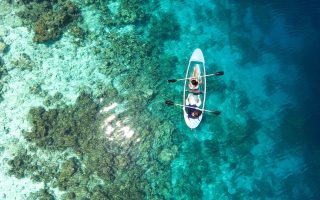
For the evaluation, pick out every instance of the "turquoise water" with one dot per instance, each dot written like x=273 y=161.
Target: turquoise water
x=83 y=86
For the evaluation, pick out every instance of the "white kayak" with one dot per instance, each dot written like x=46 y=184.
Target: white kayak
x=194 y=97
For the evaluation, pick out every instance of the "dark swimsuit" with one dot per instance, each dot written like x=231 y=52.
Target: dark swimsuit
x=191 y=110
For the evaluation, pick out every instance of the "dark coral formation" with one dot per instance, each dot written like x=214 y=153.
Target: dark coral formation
x=23 y=62
x=127 y=12
x=68 y=169
x=131 y=11
x=51 y=25
x=49 y=19
x=42 y=194
x=76 y=127
x=59 y=129
x=165 y=28
x=20 y=164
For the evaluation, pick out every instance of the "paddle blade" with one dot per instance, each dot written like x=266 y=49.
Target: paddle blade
x=172 y=80
x=219 y=73
x=216 y=112
x=169 y=103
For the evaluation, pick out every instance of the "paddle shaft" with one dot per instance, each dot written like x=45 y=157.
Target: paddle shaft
x=181 y=79
x=193 y=108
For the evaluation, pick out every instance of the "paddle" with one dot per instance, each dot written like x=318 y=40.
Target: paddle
x=171 y=103
x=215 y=74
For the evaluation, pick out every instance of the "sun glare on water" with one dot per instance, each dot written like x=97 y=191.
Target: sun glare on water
x=113 y=128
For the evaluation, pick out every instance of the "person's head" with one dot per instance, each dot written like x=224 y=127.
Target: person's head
x=194 y=82
x=196 y=113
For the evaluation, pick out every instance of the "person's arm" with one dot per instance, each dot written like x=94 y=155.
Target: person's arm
x=187 y=101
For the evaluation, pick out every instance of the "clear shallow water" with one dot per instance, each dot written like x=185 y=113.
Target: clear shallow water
x=265 y=143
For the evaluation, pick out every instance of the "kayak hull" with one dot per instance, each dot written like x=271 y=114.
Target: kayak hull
x=196 y=64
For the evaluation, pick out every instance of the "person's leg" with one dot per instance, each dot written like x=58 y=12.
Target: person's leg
x=194 y=72
x=197 y=74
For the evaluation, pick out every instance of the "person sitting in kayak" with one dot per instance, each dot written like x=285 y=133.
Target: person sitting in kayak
x=193 y=102
x=193 y=113
x=195 y=80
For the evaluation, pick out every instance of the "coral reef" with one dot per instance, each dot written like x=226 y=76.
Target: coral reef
x=123 y=12
x=59 y=130
x=77 y=128
x=56 y=99
x=52 y=24
x=23 y=62
x=101 y=167
x=20 y=164
x=34 y=9
x=68 y=169
x=130 y=11
x=164 y=28
x=49 y=19
x=42 y=194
